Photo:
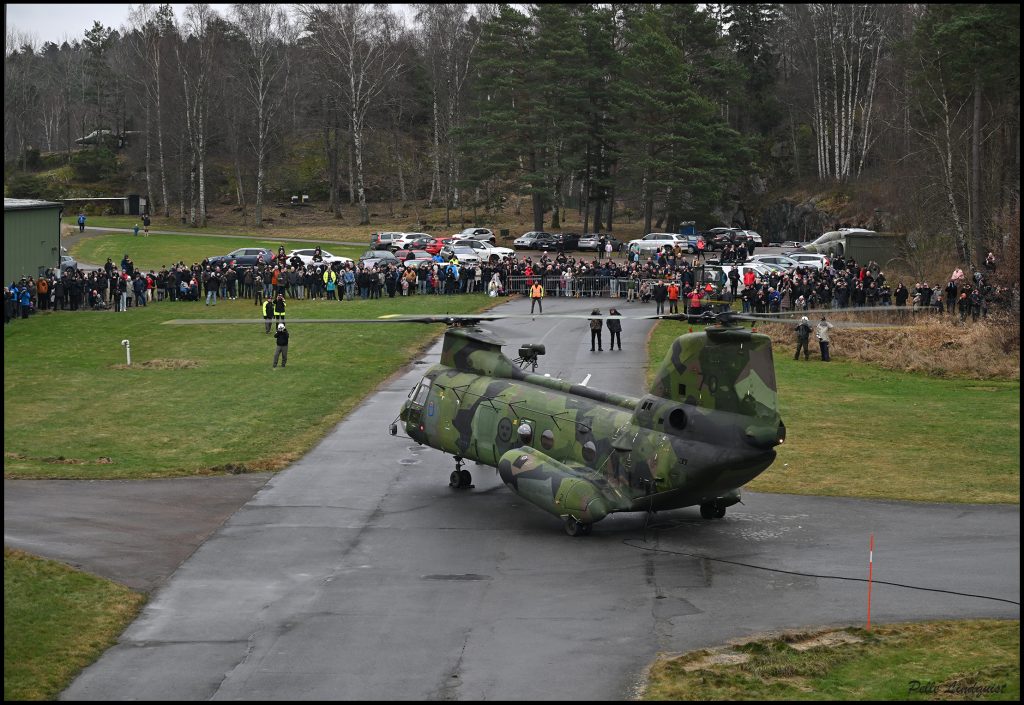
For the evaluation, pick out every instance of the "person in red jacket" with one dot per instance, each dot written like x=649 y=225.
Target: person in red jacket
x=673 y=297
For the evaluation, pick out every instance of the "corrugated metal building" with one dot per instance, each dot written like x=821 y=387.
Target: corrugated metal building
x=31 y=237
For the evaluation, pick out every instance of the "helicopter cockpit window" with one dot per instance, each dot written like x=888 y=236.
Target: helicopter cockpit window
x=419 y=396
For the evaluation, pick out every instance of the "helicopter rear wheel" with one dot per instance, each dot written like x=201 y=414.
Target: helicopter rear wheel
x=712 y=510
x=460 y=478
x=574 y=527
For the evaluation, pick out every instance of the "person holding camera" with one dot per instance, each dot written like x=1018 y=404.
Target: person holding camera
x=821 y=331
x=281 y=351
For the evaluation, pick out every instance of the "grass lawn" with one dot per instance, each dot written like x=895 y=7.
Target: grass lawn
x=196 y=399
x=57 y=621
x=968 y=660
x=155 y=251
x=857 y=431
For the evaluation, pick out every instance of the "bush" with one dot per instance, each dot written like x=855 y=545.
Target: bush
x=22 y=185
x=93 y=164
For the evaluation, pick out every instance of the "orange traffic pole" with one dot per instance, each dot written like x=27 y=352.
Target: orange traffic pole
x=871 y=557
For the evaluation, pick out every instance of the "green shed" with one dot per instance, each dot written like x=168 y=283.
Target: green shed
x=31 y=237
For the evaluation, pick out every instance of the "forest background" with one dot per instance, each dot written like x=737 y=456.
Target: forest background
x=787 y=119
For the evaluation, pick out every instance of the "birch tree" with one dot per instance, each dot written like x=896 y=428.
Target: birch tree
x=194 y=53
x=448 y=42
x=263 y=71
x=359 y=42
x=841 y=47
x=151 y=27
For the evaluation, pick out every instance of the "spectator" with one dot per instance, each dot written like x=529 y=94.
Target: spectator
x=821 y=331
x=614 y=329
x=803 y=336
x=596 y=324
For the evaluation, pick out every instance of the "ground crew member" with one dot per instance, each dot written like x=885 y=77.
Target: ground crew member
x=279 y=306
x=281 y=351
x=268 y=313
x=803 y=334
x=537 y=296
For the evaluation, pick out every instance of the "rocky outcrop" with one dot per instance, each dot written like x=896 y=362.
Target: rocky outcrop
x=788 y=219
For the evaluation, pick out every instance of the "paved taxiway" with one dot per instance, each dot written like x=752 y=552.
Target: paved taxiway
x=358 y=574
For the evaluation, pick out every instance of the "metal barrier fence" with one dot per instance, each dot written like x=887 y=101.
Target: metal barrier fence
x=590 y=287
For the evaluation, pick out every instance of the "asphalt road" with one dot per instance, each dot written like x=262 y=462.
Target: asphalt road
x=357 y=573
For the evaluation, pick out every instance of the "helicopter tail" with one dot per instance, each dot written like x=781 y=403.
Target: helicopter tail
x=726 y=369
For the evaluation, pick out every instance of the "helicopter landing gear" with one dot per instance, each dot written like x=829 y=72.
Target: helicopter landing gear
x=574 y=527
x=712 y=511
x=460 y=479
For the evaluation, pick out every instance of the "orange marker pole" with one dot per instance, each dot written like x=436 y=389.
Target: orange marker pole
x=871 y=559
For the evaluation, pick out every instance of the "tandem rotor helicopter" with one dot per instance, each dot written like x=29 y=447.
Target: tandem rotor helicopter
x=708 y=425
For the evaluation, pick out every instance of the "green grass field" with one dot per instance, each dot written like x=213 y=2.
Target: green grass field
x=968 y=660
x=857 y=431
x=155 y=251
x=57 y=621
x=196 y=399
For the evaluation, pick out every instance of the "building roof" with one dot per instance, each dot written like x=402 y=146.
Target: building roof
x=24 y=204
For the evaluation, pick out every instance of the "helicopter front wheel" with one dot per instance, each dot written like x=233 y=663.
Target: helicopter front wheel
x=460 y=478
x=574 y=527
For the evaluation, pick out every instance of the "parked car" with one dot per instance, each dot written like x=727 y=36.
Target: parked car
x=807 y=259
x=465 y=255
x=326 y=257
x=405 y=240
x=718 y=238
x=652 y=242
x=527 y=241
x=592 y=241
x=780 y=260
x=438 y=244
x=243 y=257
x=67 y=262
x=477 y=234
x=792 y=243
x=488 y=253
x=751 y=235
x=567 y=241
x=377 y=258
x=384 y=241
x=422 y=243
x=415 y=258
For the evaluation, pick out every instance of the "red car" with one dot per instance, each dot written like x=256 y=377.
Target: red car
x=435 y=247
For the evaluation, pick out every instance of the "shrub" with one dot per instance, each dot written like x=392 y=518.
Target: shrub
x=94 y=164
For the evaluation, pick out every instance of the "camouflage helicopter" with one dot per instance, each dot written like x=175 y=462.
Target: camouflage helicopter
x=708 y=425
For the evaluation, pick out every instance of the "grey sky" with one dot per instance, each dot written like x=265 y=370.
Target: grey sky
x=55 y=23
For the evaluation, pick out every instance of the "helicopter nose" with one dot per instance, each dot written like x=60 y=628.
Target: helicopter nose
x=766 y=437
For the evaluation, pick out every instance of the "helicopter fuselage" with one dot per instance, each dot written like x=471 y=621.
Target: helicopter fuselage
x=582 y=452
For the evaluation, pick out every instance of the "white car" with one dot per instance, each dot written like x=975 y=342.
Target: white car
x=307 y=257
x=783 y=261
x=403 y=241
x=485 y=234
x=488 y=253
x=655 y=241
x=465 y=255
x=751 y=235
x=809 y=260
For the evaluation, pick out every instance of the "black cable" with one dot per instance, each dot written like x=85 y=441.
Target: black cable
x=811 y=575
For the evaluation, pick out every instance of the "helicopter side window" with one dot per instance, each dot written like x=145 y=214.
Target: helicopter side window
x=419 y=396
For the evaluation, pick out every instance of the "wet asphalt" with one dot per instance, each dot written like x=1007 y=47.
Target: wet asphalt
x=357 y=573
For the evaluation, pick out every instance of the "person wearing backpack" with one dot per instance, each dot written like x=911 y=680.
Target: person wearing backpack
x=596 y=324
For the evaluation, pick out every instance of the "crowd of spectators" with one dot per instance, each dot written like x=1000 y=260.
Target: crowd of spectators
x=664 y=276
